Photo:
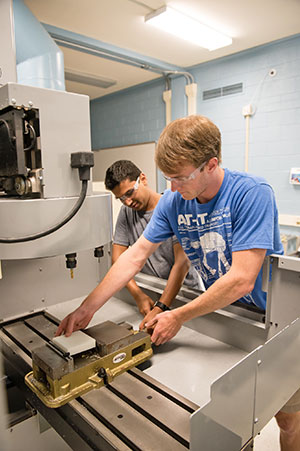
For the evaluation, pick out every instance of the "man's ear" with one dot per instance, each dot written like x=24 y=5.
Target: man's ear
x=143 y=179
x=212 y=164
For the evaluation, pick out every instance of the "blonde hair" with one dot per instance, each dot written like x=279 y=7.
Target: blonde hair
x=189 y=140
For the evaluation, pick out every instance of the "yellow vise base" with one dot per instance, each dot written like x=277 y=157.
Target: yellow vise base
x=56 y=393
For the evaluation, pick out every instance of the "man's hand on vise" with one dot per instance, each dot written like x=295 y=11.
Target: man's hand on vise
x=165 y=325
x=76 y=320
x=144 y=304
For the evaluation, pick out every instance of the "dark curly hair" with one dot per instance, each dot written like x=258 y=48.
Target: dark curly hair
x=121 y=170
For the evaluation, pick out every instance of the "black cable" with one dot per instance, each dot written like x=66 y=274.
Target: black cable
x=33 y=141
x=8 y=131
x=57 y=226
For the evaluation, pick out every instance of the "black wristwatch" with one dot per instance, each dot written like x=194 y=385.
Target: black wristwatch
x=162 y=306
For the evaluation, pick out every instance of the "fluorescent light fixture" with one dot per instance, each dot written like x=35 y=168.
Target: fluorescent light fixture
x=187 y=28
x=88 y=79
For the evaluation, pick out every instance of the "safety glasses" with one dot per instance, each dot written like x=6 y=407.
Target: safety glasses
x=130 y=192
x=188 y=178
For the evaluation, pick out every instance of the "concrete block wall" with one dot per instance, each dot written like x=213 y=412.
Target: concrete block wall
x=137 y=114
x=132 y=116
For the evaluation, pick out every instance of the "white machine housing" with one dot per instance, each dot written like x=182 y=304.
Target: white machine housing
x=64 y=128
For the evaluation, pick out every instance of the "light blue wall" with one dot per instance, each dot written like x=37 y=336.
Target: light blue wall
x=132 y=116
x=137 y=114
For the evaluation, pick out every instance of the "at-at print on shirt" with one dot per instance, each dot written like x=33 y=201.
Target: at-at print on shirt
x=207 y=240
x=203 y=240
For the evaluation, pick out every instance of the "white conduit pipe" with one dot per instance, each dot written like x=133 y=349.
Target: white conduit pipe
x=247 y=142
x=191 y=93
x=167 y=97
x=249 y=110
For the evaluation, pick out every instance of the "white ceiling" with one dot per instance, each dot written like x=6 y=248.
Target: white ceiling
x=121 y=23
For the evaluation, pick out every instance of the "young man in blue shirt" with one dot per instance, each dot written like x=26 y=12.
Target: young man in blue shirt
x=227 y=222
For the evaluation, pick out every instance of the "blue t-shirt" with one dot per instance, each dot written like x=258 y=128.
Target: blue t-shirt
x=243 y=215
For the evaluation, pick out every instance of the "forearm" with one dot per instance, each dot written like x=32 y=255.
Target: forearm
x=131 y=286
x=175 y=280
x=123 y=270
x=135 y=290
x=223 y=292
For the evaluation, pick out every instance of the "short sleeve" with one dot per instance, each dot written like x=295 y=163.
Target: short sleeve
x=159 y=228
x=253 y=219
x=121 y=235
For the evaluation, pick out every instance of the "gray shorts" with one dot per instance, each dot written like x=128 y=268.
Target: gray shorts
x=293 y=404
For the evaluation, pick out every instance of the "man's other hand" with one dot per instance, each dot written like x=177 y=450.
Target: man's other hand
x=76 y=320
x=165 y=326
x=145 y=304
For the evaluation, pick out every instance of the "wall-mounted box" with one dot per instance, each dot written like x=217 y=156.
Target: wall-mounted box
x=289 y=220
x=295 y=176
x=290 y=244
